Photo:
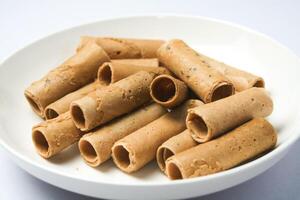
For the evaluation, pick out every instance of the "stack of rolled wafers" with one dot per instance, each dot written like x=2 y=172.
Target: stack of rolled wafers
x=139 y=100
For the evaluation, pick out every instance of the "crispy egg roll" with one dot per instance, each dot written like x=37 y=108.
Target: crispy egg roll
x=241 y=80
x=52 y=136
x=239 y=145
x=173 y=146
x=110 y=72
x=207 y=83
x=95 y=147
x=147 y=62
x=112 y=101
x=168 y=91
x=74 y=73
x=62 y=105
x=137 y=149
x=210 y=120
x=120 y=48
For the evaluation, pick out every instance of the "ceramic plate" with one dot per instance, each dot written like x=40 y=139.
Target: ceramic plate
x=227 y=42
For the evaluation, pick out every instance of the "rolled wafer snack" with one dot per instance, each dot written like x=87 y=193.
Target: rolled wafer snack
x=110 y=72
x=52 y=136
x=173 y=146
x=147 y=62
x=239 y=145
x=74 y=73
x=120 y=48
x=241 y=80
x=112 y=101
x=137 y=149
x=62 y=105
x=207 y=83
x=210 y=120
x=168 y=91
x=95 y=147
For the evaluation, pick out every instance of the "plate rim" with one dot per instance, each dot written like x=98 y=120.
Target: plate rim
x=279 y=149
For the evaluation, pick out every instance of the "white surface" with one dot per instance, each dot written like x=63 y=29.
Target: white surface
x=19 y=29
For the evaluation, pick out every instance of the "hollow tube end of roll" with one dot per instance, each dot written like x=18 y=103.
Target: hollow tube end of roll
x=88 y=153
x=221 y=91
x=259 y=83
x=199 y=129
x=121 y=157
x=41 y=144
x=105 y=74
x=173 y=171
x=34 y=104
x=78 y=117
x=162 y=155
x=50 y=113
x=163 y=90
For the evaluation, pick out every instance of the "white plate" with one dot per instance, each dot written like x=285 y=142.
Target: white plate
x=230 y=43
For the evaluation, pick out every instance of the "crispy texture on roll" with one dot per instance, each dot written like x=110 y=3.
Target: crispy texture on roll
x=241 y=80
x=95 y=147
x=52 y=136
x=74 y=73
x=147 y=62
x=120 y=48
x=173 y=146
x=207 y=83
x=110 y=72
x=168 y=91
x=112 y=101
x=239 y=145
x=137 y=149
x=210 y=120
x=62 y=105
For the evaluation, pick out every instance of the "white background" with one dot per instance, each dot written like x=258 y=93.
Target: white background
x=22 y=22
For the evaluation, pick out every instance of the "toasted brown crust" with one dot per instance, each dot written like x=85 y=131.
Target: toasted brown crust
x=237 y=146
x=207 y=83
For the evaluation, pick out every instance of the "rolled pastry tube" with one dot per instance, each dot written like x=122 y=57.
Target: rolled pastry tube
x=210 y=120
x=52 y=136
x=147 y=62
x=173 y=146
x=62 y=105
x=74 y=73
x=168 y=91
x=239 y=145
x=207 y=83
x=137 y=149
x=95 y=147
x=120 y=48
x=241 y=80
x=112 y=101
x=110 y=72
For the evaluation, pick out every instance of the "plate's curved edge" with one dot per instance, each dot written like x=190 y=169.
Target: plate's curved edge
x=277 y=150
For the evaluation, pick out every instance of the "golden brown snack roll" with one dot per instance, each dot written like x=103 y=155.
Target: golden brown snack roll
x=241 y=80
x=168 y=91
x=120 y=48
x=239 y=145
x=207 y=83
x=112 y=101
x=111 y=72
x=137 y=149
x=73 y=74
x=210 y=120
x=52 y=136
x=173 y=146
x=95 y=147
x=147 y=62
x=62 y=105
